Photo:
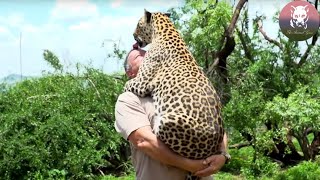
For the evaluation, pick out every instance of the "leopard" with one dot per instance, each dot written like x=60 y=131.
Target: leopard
x=188 y=116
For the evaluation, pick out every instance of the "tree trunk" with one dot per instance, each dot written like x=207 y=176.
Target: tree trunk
x=315 y=145
x=218 y=71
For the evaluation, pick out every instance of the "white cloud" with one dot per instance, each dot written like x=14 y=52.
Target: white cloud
x=74 y=31
x=154 y=5
x=165 y=3
x=116 y=3
x=81 y=26
x=3 y=30
x=93 y=32
x=7 y=38
x=82 y=40
x=70 y=10
x=12 y=20
x=29 y=28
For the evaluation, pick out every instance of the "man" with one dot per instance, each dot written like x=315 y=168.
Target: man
x=151 y=158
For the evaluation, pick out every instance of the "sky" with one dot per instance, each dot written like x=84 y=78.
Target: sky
x=72 y=29
x=75 y=30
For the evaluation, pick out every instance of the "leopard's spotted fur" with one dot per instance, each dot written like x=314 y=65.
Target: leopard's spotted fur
x=188 y=109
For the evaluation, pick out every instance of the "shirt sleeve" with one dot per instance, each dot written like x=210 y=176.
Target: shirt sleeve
x=130 y=114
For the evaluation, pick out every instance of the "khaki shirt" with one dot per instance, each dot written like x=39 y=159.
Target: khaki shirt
x=132 y=113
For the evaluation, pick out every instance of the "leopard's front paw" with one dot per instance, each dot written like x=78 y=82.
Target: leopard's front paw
x=127 y=88
x=136 y=88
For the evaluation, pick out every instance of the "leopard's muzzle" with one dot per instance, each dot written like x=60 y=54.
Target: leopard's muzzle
x=139 y=41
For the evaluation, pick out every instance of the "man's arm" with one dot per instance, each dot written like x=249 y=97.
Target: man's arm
x=146 y=141
x=133 y=124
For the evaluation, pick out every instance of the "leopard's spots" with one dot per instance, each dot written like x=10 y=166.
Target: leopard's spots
x=185 y=101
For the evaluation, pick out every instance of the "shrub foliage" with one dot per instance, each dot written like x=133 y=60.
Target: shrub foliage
x=60 y=125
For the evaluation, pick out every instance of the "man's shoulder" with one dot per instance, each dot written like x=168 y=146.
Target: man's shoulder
x=127 y=96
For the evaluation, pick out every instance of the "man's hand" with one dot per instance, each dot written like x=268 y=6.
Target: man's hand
x=144 y=139
x=213 y=164
x=194 y=166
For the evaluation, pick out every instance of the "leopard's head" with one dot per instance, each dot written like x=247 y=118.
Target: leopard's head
x=145 y=27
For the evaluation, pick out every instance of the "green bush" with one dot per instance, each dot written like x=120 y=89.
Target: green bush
x=60 y=126
x=240 y=158
x=304 y=171
x=130 y=176
x=243 y=163
x=262 y=167
x=225 y=176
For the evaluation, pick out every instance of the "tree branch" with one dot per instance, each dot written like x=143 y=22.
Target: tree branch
x=314 y=40
x=308 y=131
x=315 y=145
x=227 y=41
x=94 y=86
x=211 y=6
x=290 y=142
x=235 y=18
x=227 y=38
x=273 y=41
x=219 y=57
x=244 y=45
x=240 y=145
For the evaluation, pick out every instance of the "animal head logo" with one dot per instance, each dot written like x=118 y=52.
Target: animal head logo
x=299 y=20
x=299 y=16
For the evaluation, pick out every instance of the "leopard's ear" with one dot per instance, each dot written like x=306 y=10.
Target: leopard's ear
x=147 y=15
x=167 y=14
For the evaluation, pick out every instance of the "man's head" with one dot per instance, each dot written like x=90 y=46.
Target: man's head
x=133 y=61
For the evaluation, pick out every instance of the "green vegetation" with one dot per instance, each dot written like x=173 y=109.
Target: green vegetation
x=60 y=125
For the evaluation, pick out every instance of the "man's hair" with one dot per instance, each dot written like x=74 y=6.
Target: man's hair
x=126 y=66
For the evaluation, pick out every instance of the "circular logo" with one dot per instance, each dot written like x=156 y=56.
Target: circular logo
x=299 y=20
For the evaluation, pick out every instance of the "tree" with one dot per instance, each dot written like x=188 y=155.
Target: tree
x=210 y=35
